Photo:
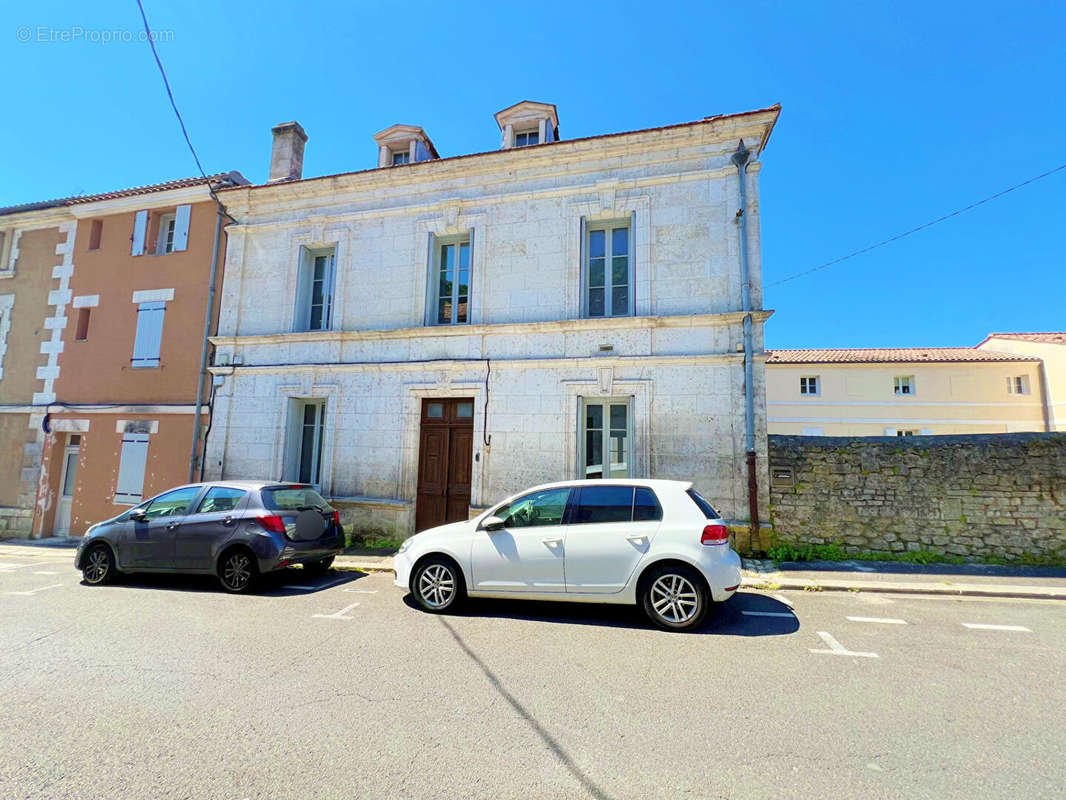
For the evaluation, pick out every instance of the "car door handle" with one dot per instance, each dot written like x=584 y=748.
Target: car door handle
x=552 y=542
x=228 y=521
x=172 y=525
x=637 y=539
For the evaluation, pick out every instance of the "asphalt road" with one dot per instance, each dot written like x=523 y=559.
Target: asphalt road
x=164 y=687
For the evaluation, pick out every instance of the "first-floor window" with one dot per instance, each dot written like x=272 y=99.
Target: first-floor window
x=1018 y=384
x=809 y=385
x=605 y=439
x=452 y=282
x=167 y=224
x=906 y=433
x=130 y=487
x=608 y=272
x=904 y=385
x=149 y=336
x=308 y=424
x=314 y=292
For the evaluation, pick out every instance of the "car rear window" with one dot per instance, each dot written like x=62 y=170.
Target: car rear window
x=707 y=509
x=617 y=504
x=293 y=498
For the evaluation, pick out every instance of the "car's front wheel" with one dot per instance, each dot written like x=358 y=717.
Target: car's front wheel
x=237 y=571
x=437 y=585
x=674 y=598
x=99 y=565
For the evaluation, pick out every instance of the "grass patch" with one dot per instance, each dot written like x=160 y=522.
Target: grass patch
x=836 y=552
x=371 y=540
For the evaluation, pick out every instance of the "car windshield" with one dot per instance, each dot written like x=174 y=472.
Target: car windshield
x=293 y=498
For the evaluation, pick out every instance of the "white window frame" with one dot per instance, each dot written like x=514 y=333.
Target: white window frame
x=532 y=132
x=134 y=446
x=168 y=226
x=606 y=403
x=7 y=302
x=400 y=157
x=146 y=335
x=908 y=432
x=899 y=382
x=294 y=444
x=607 y=227
x=805 y=385
x=1018 y=384
x=438 y=244
x=305 y=288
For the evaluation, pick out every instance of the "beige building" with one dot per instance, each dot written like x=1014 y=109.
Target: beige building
x=913 y=391
x=1050 y=348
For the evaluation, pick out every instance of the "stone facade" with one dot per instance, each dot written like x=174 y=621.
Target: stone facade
x=975 y=496
x=528 y=355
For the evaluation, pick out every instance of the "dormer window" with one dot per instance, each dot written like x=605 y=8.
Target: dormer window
x=526 y=139
x=528 y=123
x=404 y=144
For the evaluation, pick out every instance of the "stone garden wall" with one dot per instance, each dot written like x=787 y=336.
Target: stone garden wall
x=978 y=496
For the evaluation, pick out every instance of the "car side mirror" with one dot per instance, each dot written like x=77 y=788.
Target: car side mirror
x=138 y=516
x=491 y=524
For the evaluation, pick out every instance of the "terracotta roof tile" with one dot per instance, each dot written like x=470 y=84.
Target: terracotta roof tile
x=890 y=355
x=1049 y=337
x=226 y=178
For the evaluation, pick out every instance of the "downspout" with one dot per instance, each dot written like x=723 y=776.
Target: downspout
x=203 y=347
x=741 y=158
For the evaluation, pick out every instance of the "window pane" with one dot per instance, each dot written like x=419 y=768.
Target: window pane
x=619 y=301
x=320 y=268
x=620 y=241
x=464 y=255
x=292 y=499
x=593 y=416
x=444 y=311
x=594 y=454
x=620 y=271
x=68 y=474
x=704 y=506
x=597 y=243
x=645 y=506
x=464 y=410
x=596 y=303
x=309 y=415
x=172 y=503
x=537 y=509
x=619 y=461
x=597 y=268
x=605 y=504
x=435 y=411
x=618 y=416
x=220 y=499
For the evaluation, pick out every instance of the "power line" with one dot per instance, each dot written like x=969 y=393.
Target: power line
x=899 y=236
x=174 y=105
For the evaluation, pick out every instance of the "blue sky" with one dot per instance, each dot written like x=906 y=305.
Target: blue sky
x=894 y=114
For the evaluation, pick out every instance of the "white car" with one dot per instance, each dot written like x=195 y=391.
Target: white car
x=656 y=543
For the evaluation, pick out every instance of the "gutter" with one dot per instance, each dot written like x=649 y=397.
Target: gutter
x=203 y=348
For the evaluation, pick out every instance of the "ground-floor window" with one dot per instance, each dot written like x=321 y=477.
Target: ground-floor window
x=306 y=427
x=606 y=438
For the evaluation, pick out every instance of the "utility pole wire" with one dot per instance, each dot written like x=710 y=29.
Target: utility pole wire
x=899 y=236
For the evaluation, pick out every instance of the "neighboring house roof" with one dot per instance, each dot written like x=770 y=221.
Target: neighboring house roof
x=1049 y=337
x=774 y=109
x=224 y=178
x=890 y=355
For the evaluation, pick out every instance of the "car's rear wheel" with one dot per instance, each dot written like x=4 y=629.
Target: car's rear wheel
x=237 y=570
x=99 y=565
x=437 y=585
x=674 y=598
x=320 y=567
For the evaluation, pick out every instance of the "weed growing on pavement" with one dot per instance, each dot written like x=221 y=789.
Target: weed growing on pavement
x=783 y=551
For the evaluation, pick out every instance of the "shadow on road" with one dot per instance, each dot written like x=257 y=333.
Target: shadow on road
x=725 y=619
x=283 y=583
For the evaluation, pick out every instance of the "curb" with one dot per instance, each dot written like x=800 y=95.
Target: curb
x=363 y=566
x=950 y=590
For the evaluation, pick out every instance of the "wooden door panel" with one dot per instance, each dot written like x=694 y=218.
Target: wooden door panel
x=460 y=456
x=445 y=462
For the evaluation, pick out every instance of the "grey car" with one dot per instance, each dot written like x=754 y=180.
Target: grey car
x=236 y=530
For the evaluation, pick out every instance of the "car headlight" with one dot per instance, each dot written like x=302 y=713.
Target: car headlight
x=406 y=545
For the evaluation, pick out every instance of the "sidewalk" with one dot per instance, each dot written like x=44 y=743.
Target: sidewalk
x=962 y=580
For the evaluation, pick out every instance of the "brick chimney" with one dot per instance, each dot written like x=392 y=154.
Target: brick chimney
x=287 y=156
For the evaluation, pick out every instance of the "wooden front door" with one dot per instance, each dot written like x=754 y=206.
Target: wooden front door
x=445 y=454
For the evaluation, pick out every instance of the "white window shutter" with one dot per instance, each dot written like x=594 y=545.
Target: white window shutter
x=130 y=485
x=149 y=336
x=583 y=306
x=926 y=431
x=891 y=431
x=181 y=228
x=140 y=229
x=434 y=281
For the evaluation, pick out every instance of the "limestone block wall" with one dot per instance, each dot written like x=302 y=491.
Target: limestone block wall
x=976 y=496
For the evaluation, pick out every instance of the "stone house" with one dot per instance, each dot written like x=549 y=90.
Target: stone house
x=109 y=295
x=426 y=337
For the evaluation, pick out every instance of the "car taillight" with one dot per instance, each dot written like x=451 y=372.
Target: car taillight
x=715 y=534
x=273 y=523
x=336 y=518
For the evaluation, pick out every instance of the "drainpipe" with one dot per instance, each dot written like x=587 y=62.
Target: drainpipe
x=203 y=348
x=741 y=158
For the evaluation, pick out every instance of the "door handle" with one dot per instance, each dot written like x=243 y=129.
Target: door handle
x=228 y=521
x=552 y=542
x=637 y=539
x=172 y=525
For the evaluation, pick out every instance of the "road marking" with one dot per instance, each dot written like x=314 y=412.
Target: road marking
x=837 y=649
x=315 y=588
x=338 y=615
x=768 y=614
x=34 y=591
x=362 y=591
x=881 y=620
x=980 y=626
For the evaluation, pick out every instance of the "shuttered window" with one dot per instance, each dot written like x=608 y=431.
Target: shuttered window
x=149 y=335
x=181 y=228
x=134 y=457
x=140 y=230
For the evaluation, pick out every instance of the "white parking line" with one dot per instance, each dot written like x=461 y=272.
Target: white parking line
x=980 y=626
x=768 y=614
x=837 y=649
x=362 y=591
x=881 y=620
x=338 y=615
x=315 y=588
x=43 y=572
x=34 y=591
